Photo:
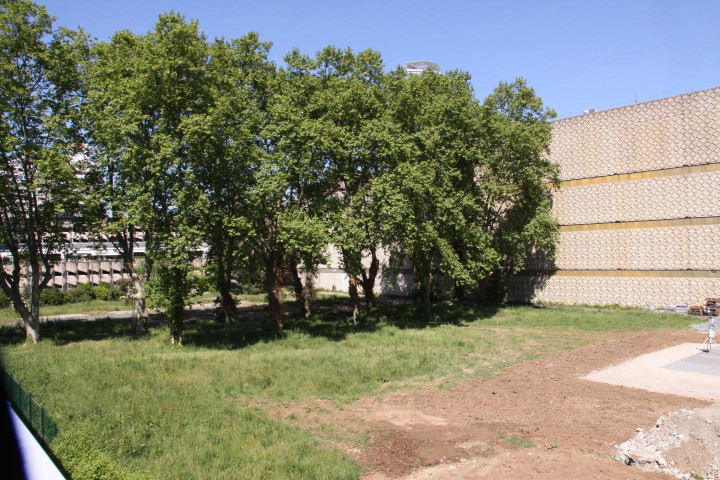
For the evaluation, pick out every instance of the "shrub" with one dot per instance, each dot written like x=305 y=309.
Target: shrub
x=53 y=296
x=102 y=291
x=82 y=293
x=5 y=301
x=115 y=293
x=123 y=285
x=83 y=461
x=201 y=283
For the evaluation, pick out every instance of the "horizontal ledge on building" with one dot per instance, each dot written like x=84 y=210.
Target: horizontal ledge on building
x=623 y=273
x=673 y=222
x=648 y=174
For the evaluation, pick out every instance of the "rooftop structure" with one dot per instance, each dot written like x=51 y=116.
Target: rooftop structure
x=417 y=67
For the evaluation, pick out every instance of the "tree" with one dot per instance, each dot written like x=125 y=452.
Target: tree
x=227 y=153
x=513 y=196
x=40 y=192
x=289 y=181
x=352 y=103
x=147 y=91
x=429 y=211
x=111 y=77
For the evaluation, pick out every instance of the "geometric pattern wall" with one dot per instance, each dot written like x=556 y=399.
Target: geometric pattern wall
x=673 y=248
x=638 y=208
x=666 y=133
x=661 y=198
x=641 y=291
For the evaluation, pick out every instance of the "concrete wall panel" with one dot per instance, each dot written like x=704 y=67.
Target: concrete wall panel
x=666 y=133
x=627 y=291
x=661 y=198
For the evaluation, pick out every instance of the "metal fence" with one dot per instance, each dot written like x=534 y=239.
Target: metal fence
x=28 y=408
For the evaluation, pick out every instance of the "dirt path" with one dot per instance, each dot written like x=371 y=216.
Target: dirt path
x=464 y=432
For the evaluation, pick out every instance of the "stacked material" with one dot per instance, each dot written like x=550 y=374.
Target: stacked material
x=712 y=305
x=697 y=310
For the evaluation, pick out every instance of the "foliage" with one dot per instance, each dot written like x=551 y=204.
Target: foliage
x=123 y=285
x=84 y=292
x=5 y=301
x=40 y=93
x=52 y=296
x=102 y=291
x=200 y=283
x=517 y=441
x=79 y=455
x=516 y=137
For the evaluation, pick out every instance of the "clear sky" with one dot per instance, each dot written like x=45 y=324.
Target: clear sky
x=578 y=54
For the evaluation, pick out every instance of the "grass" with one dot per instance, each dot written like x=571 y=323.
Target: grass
x=201 y=411
x=517 y=441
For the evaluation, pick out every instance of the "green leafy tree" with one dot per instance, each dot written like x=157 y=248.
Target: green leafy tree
x=289 y=182
x=228 y=151
x=351 y=104
x=429 y=211
x=40 y=190
x=513 y=198
x=147 y=90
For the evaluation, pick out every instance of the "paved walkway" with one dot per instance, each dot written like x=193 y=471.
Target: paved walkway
x=681 y=370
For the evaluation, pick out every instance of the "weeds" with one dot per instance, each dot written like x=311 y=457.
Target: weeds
x=517 y=441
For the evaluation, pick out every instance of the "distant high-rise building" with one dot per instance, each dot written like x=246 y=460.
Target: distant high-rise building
x=417 y=67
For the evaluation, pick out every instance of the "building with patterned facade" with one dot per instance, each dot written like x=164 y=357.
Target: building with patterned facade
x=638 y=207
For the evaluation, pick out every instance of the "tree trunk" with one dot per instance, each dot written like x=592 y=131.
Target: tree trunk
x=354 y=297
x=271 y=288
x=427 y=290
x=368 y=280
x=227 y=302
x=32 y=321
x=141 y=313
x=459 y=291
x=482 y=290
x=301 y=291
x=176 y=310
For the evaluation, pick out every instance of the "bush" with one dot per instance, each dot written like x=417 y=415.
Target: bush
x=82 y=293
x=102 y=291
x=53 y=297
x=200 y=284
x=123 y=285
x=83 y=461
x=115 y=293
x=5 y=301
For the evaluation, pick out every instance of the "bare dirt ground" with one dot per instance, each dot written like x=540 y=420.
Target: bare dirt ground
x=570 y=427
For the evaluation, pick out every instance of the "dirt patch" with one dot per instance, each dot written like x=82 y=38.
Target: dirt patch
x=538 y=419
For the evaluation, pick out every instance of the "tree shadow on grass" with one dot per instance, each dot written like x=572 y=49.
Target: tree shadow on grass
x=333 y=323
x=70 y=331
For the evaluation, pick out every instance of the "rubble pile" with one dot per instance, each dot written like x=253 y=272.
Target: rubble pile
x=685 y=444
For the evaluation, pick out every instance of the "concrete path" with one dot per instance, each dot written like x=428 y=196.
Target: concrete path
x=680 y=370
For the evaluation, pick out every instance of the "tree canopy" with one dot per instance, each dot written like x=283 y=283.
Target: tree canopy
x=207 y=146
x=41 y=189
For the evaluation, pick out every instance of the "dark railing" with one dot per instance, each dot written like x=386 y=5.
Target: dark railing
x=28 y=408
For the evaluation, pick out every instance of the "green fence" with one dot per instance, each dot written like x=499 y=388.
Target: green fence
x=27 y=407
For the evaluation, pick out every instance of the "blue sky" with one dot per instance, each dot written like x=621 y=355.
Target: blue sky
x=577 y=54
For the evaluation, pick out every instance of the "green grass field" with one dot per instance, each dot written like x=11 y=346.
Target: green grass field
x=204 y=410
